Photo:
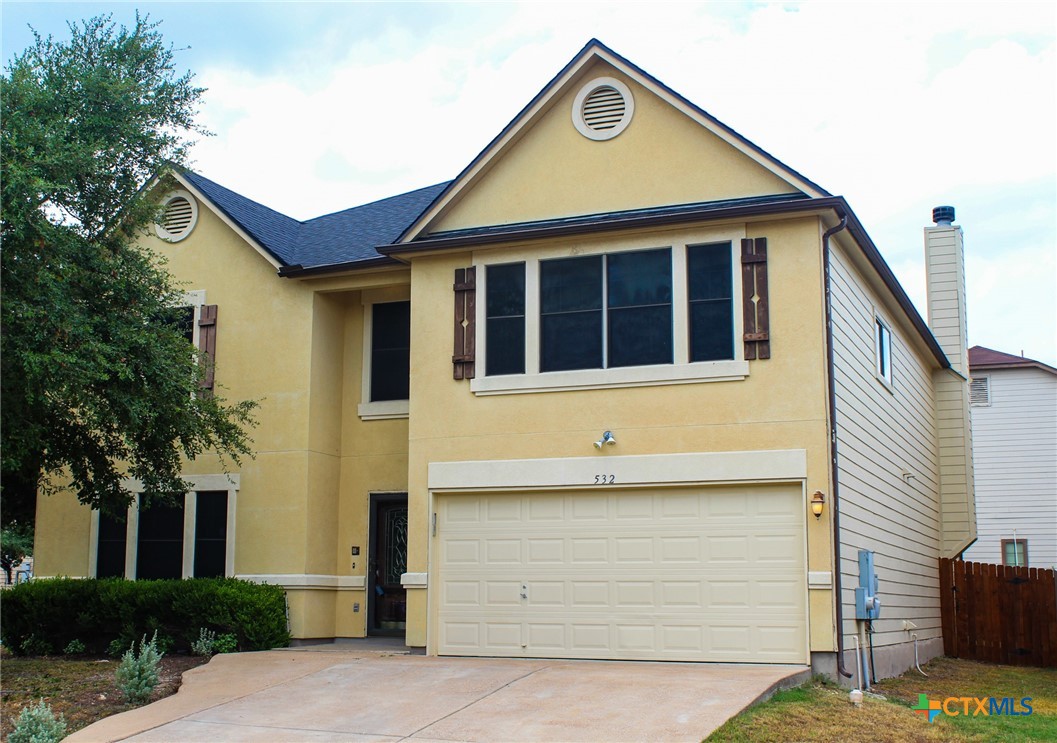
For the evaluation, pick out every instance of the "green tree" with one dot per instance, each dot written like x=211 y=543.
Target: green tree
x=16 y=544
x=97 y=381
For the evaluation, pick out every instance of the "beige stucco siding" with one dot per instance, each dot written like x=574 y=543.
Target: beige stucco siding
x=779 y=406
x=663 y=157
x=887 y=447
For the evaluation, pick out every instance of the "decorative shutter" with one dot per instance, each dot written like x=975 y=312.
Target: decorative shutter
x=754 y=298
x=207 y=343
x=465 y=320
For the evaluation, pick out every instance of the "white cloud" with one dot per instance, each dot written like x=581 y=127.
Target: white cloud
x=899 y=107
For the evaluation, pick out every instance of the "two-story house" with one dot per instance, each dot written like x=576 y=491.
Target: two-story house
x=1014 y=414
x=627 y=387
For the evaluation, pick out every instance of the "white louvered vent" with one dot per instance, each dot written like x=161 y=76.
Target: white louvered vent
x=179 y=215
x=980 y=391
x=603 y=108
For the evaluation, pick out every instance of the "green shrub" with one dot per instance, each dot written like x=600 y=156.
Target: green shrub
x=33 y=645
x=226 y=643
x=109 y=614
x=74 y=647
x=204 y=644
x=37 y=724
x=138 y=674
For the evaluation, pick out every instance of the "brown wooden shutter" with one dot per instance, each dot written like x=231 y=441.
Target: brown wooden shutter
x=754 y=298
x=465 y=320
x=207 y=343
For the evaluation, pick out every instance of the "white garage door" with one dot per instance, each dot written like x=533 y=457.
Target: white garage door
x=708 y=574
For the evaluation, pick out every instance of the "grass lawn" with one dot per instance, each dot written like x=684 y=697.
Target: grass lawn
x=80 y=688
x=821 y=712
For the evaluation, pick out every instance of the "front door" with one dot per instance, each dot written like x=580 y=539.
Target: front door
x=387 y=599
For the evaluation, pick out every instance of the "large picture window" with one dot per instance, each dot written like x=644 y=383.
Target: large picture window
x=630 y=316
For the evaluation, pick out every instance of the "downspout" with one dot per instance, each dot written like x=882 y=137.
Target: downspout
x=835 y=495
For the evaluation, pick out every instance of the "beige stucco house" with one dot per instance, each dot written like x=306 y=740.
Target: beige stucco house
x=627 y=387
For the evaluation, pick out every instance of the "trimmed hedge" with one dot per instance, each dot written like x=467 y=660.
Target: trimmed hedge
x=43 y=616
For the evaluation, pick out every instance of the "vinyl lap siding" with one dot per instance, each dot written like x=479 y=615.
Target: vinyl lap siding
x=883 y=433
x=1015 y=457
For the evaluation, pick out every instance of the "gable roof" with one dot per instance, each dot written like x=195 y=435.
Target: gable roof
x=347 y=237
x=595 y=49
x=981 y=358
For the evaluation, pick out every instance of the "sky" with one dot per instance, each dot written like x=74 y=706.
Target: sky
x=898 y=107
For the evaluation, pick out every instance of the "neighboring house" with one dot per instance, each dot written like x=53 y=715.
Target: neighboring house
x=579 y=402
x=1014 y=415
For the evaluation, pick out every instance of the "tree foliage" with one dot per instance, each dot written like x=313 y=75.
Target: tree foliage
x=98 y=383
x=16 y=544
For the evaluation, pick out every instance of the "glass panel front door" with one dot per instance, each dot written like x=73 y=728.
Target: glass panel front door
x=388 y=599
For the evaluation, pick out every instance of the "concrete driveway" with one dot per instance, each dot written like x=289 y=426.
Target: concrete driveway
x=366 y=691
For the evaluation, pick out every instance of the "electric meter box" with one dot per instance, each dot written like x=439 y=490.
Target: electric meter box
x=867 y=603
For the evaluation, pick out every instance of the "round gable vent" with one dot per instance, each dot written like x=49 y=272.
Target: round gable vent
x=179 y=214
x=603 y=108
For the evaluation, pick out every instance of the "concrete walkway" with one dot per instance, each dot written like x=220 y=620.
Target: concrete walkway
x=371 y=692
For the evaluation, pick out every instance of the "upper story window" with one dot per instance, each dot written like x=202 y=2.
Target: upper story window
x=621 y=318
x=883 y=350
x=390 y=351
x=386 y=355
x=1015 y=552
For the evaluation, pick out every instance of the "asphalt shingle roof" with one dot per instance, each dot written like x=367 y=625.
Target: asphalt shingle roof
x=347 y=236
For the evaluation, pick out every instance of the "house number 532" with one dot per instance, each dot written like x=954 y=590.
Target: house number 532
x=605 y=479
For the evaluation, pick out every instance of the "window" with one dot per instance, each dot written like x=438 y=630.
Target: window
x=193 y=538
x=1015 y=552
x=505 y=319
x=711 y=297
x=386 y=377
x=626 y=317
x=390 y=351
x=883 y=346
x=614 y=307
x=160 y=541
x=110 y=555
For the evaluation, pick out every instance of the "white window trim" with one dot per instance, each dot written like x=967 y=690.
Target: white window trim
x=883 y=375
x=194 y=299
x=682 y=371
x=387 y=409
x=198 y=483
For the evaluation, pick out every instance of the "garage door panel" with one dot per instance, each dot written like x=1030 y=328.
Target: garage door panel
x=667 y=575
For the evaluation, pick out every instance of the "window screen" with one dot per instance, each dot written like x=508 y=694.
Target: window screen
x=571 y=313
x=211 y=531
x=639 y=304
x=505 y=319
x=710 y=294
x=110 y=553
x=160 y=545
x=390 y=351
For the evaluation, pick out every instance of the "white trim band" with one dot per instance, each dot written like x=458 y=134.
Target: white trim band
x=301 y=581
x=658 y=469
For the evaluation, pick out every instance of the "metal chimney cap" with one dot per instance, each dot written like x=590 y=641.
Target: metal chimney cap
x=943 y=215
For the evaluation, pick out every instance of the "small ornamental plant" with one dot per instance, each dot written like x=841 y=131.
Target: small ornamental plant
x=138 y=674
x=204 y=644
x=38 y=724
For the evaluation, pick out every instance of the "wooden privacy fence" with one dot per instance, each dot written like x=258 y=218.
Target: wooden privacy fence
x=998 y=613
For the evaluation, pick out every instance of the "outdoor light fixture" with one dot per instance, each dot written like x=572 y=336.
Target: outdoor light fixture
x=607 y=438
x=818 y=501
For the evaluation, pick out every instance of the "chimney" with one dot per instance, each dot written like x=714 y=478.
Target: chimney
x=945 y=274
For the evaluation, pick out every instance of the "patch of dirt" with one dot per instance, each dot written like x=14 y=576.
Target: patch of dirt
x=81 y=688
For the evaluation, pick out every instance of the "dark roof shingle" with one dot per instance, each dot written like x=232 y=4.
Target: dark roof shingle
x=348 y=236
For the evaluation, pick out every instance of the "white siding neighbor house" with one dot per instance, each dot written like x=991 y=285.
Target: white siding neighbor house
x=1014 y=413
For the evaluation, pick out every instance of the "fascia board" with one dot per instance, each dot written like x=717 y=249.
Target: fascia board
x=227 y=220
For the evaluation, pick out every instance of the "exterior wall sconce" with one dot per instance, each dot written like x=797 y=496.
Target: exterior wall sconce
x=818 y=502
x=607 y=438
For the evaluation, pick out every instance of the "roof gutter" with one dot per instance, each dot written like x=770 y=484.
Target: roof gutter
x=834 y=482
x=297 y=271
